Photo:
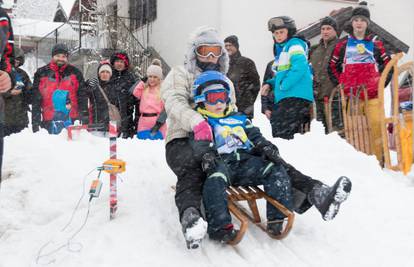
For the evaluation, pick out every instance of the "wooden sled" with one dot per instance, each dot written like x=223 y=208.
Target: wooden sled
x=251 y=194
x=399 y=121
x=356 y=124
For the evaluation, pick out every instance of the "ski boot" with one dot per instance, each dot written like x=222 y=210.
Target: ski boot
x=225 y=234
x=194 y=227
x=328 y=199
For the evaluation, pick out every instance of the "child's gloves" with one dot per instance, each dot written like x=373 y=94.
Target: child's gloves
x=272 y=153
x=203 y=132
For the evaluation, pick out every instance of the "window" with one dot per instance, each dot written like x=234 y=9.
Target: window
x=142 y=12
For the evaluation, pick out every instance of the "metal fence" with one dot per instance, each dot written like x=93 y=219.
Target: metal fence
x=98 y=41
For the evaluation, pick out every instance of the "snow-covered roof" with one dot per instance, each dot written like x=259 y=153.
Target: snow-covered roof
x=7 y=4
x=67 y=6
x=36 y=9
x=34 y=28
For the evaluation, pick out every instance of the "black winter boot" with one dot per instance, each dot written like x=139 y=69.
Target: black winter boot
x=274 y=228
x=194 y=227
x=328 y=199
x=224 y=235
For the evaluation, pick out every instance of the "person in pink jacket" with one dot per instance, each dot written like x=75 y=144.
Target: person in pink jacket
x=151 y=123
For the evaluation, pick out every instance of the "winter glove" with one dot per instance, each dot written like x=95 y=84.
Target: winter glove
x=272 y=153
x=94 y=82
x=202 y=147
x=203 y=132
x=208 y=162
x=205 y=152
x=35 y=128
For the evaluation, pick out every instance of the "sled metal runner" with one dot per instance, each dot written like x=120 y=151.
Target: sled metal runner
x=251 y=194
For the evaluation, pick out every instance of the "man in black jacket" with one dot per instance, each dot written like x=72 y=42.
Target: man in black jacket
x=243 y=73
x=122 y=80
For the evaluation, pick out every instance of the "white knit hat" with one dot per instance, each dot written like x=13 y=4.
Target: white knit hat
x=104 y=67
x=155 y=70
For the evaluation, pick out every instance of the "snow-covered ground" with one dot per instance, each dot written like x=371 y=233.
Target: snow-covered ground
x=45 y=176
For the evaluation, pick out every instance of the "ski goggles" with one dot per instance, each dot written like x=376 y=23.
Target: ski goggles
x=214 y=96
x=275 y=23
x=206 y=50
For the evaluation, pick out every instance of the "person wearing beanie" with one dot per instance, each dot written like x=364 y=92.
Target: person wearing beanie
x=320 y=54
x=356 y=63
x=243 y=73
x=96 y=87
x=60 y=49
x=205 y=52
x=361 y=11
x=122 y=80
x=292 y=83
x=17 y=100
x=54 y=82
x=151 y=123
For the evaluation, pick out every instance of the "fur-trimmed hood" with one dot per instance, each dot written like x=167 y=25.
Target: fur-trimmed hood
x=204 y=35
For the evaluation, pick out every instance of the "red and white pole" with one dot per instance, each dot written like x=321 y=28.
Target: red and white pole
x=113 y=201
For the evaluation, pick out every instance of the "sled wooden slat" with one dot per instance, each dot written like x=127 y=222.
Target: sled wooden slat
x=250 y=197
x=344 y=114
x=366 y=129
x=251 y=194
x=356 y=124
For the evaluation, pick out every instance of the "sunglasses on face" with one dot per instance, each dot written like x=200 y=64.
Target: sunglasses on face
x=215 y=96
x=209 y=50
x=275 y=23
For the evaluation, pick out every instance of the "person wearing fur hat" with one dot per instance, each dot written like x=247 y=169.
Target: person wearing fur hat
x=243 y=73
x=320 y=54
x=206 y=51
x=151 y=123
x=122 y=80
x=58 y=75
x=292 y=83
x=188 y=129
x=98 y=105
x=357 y=62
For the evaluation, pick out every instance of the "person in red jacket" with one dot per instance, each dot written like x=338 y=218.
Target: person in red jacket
x=6 y=77
x=58 y=78
x=357 y=61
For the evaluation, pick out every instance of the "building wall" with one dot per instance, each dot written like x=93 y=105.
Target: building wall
x=248 y=20
x=176 y=20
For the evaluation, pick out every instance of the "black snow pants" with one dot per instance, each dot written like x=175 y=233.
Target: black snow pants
x=190 y=178
x=244 y=169
x=289 y=116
